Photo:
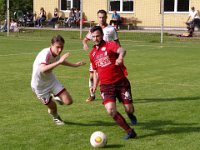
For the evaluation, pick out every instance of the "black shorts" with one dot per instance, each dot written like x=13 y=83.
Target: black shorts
x=120 y=90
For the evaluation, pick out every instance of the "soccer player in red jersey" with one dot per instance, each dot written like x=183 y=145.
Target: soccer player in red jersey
x=109 y=69
x=110 y=34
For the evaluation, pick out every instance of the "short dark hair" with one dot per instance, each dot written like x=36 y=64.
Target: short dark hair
x=193 y=8
x=96 y=28
x=102 y=12
x=57 y=38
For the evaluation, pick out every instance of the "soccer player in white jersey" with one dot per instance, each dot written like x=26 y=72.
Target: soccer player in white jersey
x=44 y=83
x=110 y=34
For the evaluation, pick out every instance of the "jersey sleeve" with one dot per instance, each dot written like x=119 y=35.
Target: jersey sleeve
x=44 y=58
x=113 y=46
x=115 y=35
x=92 y=61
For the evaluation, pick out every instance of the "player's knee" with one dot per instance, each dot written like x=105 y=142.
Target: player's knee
x=68 y=102
x=112 y=112
x=129 y=109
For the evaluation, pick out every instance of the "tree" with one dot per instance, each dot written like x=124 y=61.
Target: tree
x=23 y=5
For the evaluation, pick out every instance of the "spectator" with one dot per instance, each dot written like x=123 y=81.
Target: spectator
x=193 y=18
x=13 y=26
x=55 y=17
x=4 y=26
x=192 y=22
x=115 y=19
x=42 y=17
x=35 y=19
x=72 y=17
x=77 y=16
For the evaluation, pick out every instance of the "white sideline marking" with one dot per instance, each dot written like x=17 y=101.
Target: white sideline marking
x=6 y=55
x=16 y=54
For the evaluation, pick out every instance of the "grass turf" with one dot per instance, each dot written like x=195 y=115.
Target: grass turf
x=165 y=84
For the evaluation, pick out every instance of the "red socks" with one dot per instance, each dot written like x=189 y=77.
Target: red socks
x=119 y=119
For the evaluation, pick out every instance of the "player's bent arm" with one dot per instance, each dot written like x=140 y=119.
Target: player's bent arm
x=95 y=80
x=77 y=64
x=121 y=51
x=44 y=68
x=85 y=43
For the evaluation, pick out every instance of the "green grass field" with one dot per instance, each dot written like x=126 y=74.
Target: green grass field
x=165 y=81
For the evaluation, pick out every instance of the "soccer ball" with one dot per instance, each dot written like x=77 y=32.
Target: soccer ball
x=98 y=139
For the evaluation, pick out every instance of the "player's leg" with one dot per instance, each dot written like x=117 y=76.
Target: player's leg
x=129 y=109
x=108 y=94
x=119 y=119
x=46 y=99
x=61 y=95
x=125 y=96
x=66 y=97
x=52 y=110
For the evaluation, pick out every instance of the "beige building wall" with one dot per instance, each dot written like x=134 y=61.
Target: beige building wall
x=90 y=8
x=48 y=5
x=146 y=11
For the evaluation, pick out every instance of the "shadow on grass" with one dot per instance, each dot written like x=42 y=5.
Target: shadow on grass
x=113 y=146
x=167 y=127
x=92 y=123
x=150 y=100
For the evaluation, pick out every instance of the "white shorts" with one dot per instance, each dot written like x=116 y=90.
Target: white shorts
x=45 y=94
x=91 y=68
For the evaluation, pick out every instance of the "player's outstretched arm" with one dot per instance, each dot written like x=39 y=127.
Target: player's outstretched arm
x=77 y=64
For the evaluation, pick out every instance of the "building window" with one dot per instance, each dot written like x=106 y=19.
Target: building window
x=68 y=4
x=176 y=5
x=121 y=5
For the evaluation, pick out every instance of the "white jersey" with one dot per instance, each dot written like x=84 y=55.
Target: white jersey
x=43 y=81
x=109 y=32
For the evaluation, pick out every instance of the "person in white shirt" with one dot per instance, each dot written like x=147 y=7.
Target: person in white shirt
x=193 y=18
x=13 y=26
x=44 y=83
x=110 y=34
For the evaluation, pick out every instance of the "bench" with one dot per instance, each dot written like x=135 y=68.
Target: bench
x=91 y=23
x=130 y=23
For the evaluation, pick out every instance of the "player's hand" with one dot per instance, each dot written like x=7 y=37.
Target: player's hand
x=85 y=47
x=63 y=57
x=80 y=63
x=118 y=61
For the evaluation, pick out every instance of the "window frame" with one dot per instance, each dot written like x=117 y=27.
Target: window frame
x=175 y=8
x=121 y=7
x=67 y=10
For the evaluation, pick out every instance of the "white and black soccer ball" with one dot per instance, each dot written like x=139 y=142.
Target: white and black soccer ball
x=98 y=139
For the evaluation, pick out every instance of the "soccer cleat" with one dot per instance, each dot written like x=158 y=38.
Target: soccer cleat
x=58 y=121
x=57 y=99
x=56 y=118
x=134 y=120
x=130 y=135
x=90 y=99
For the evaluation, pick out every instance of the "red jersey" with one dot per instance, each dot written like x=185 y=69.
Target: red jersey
x=103 y=61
